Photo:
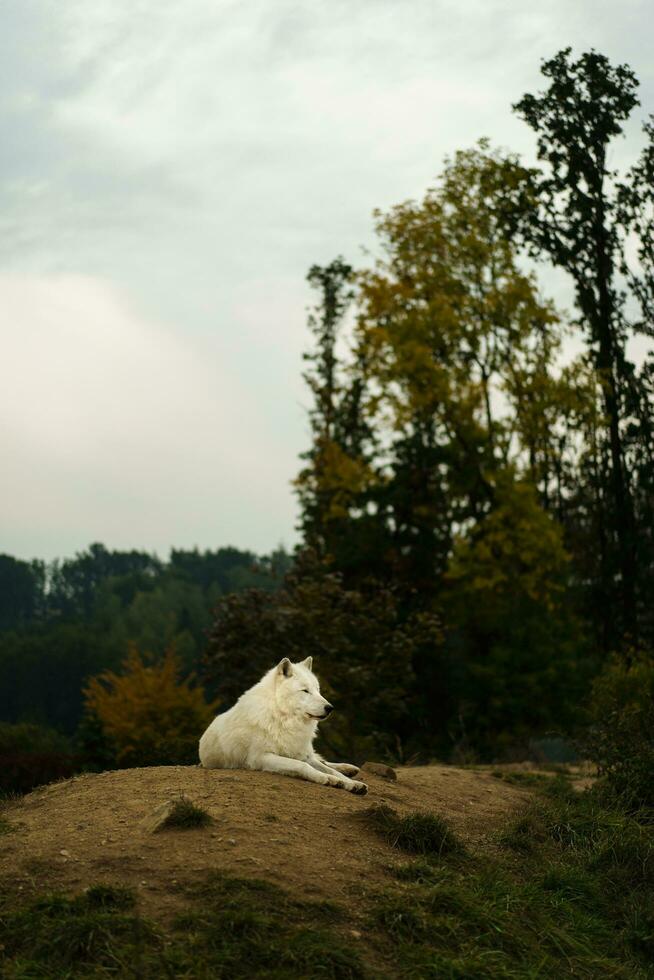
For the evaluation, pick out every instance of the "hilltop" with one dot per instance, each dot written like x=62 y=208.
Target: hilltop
x=305 y=838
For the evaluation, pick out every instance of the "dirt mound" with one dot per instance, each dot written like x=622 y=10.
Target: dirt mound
x=92 y=829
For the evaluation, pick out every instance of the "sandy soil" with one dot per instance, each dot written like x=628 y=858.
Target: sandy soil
x=304 y=837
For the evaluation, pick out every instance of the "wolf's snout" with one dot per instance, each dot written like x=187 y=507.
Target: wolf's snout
x=328 y=709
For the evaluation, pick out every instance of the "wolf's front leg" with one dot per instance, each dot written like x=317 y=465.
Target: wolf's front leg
x=350 y=784
x=301 y=770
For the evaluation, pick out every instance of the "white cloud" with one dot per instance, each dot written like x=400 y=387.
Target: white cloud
x=114 y=429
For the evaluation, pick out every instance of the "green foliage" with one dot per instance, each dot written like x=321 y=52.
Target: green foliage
x=506 y=595
x=417 y=833
x=43 y=670
x=32 y=738
x=621 y=734
x=31 y=755
x=21 y=591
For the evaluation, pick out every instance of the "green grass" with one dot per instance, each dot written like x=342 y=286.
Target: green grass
x=232 y=928
x=518 y=778
x=567 y=891
x=92 y=934
x=5 y=826
x=252 y=928
x=417 y=833
x=185 y=815
x=573 y=896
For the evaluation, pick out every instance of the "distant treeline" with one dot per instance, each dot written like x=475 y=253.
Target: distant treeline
x=62 y=622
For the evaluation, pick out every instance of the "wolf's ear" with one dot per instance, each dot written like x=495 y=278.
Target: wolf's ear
x=285 y=667
x=308 y=663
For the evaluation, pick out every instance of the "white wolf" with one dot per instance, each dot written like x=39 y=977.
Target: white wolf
x=272 y=727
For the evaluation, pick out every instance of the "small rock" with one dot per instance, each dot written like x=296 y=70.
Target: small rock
x=230 y=840
x=379 y=769
x=355 y=933
x=65 y=853
x=157 y=819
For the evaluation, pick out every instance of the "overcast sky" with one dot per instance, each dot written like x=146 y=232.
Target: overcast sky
x=168 y=172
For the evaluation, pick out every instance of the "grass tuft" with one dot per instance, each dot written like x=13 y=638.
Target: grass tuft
x=185 y=815
x=518 y=777
x=417 y=833
x=108 y=897
x=417 y=872
x=523 y=835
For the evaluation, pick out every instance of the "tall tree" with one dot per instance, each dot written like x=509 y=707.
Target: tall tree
x=336 y=469
x=583 y=217
x=447 y=321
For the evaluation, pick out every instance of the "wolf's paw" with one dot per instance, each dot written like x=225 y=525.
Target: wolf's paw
x=359 y=788
x=349 y=770
x=339 y=783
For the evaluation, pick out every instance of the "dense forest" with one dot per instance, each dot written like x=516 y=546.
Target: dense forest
x=477 y=500
x=63 y=622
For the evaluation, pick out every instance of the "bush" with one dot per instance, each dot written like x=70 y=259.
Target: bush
x=147 y=714
x=31 y=755
x=621 y=735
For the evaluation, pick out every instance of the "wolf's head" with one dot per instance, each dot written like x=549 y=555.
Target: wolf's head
x=298 y=690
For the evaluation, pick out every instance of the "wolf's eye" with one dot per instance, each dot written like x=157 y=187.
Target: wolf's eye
x=305 y=690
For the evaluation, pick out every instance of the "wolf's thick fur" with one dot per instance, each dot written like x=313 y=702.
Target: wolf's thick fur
x=272 y=727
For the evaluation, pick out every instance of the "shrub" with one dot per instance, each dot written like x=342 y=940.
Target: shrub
x=31 y=755
x=621 y=735
x=147 y=713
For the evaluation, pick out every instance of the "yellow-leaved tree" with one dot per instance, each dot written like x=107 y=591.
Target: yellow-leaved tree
x=147 y=713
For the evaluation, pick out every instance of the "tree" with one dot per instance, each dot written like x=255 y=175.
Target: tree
x=73 y=583
x=22 y=591
x=336 y=471
x=365 y=651
x=447 y=322
x=583 y=217
x=147 y=713
x=508 y=603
